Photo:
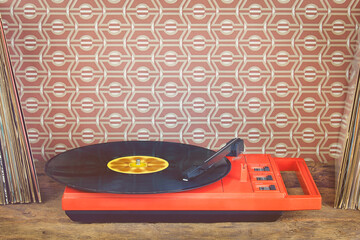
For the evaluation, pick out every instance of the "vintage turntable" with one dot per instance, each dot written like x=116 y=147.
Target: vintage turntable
x=152 y=181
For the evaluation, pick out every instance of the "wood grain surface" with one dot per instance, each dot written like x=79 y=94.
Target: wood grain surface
x=48 y=221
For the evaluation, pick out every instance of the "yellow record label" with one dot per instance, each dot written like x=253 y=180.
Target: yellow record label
x=138 y=164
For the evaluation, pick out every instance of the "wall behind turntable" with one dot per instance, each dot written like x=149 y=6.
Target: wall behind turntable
x=273 y=72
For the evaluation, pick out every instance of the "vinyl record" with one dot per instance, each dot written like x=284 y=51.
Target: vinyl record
x=134 y=167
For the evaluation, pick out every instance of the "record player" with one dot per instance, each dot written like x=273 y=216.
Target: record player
x=152 y=181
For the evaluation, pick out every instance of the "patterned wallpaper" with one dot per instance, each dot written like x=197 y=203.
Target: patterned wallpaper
x=272 y=72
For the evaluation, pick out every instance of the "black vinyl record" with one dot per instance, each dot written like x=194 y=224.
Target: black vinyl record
x=86 y=168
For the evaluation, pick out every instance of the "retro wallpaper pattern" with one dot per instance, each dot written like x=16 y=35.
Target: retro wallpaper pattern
x=272 y=72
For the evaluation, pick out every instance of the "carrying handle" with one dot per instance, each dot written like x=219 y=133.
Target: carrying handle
x=306 y=181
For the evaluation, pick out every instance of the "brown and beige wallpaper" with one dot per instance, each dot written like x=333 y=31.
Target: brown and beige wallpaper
x=272 y=72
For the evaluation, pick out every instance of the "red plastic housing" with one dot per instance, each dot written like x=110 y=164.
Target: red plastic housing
x=247 y=187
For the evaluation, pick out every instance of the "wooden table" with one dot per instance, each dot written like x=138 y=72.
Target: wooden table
x=48 y=221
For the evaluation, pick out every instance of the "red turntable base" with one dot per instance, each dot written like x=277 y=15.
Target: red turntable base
x=252 y=191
